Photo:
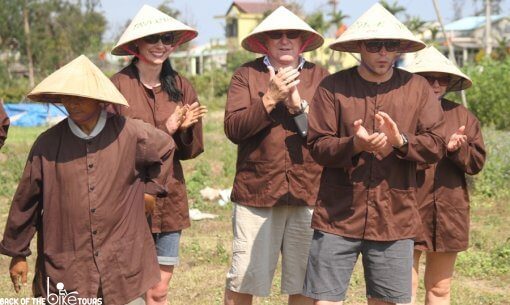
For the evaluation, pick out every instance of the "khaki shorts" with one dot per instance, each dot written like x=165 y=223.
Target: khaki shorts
x=260 y=234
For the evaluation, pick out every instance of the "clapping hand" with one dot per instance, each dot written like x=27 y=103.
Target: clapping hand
x=457 y=139
x=194 y=112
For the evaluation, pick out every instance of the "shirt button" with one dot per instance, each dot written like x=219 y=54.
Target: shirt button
x=91 y=165
x=91 y=188
x=93 y=210
x=94 y=232
x=96 y=253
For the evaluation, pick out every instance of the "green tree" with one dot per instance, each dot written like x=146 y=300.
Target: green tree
x=415 y=24
x=166 y=7
x=393 y=8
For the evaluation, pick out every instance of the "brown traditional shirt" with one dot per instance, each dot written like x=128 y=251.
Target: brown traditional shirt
x=4 y=125
x=372 y=196
x=85 y=200
x=442 y=190
x=154 y=106
x=274 y=167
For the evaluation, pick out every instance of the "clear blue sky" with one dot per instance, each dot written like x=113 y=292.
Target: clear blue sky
x=201 y=13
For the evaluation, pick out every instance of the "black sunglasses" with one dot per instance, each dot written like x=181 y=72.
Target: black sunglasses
x=375 y=46
x=442 y=81
x=166 y=39
x=278 y=34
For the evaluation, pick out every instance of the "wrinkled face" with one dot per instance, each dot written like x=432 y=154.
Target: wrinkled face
x=283 y=47
x=81 y=110
x=438 y=81
x=378 y=56
x=156 y=48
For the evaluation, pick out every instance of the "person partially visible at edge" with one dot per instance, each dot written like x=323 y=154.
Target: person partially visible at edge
x=442 y=190
x=368 y=126
x=82 y=192
x=156 y=93
x=276 y=179
x=4 y=124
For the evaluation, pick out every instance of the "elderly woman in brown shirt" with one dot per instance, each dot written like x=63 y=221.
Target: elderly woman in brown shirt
x=82 y=192
x=156 y=93
x=4 y=124
x=442 y=190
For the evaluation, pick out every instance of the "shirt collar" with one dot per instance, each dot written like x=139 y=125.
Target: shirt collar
x=97 y=129
x=299 y=67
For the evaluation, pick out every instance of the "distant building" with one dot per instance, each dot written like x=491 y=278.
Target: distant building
x=201 y=58
x=468 y=35
x=241 y=18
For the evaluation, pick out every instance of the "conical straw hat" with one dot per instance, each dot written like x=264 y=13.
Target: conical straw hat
x=80 y=78
x=281 y=19
x=376 y=23
x=150 y=21
x=432 y=61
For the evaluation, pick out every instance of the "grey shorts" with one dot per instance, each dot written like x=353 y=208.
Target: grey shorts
x=387 y=266
x=167 y=247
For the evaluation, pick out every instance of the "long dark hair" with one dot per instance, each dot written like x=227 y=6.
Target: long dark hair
x=167 y=77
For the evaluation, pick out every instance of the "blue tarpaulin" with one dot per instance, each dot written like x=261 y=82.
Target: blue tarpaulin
x=34 y=114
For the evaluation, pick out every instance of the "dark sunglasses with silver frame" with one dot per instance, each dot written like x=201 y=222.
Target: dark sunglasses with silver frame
x=166 y=38
x=291 y=34
x=374 y=46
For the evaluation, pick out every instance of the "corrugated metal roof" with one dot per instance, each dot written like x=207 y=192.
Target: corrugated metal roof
x=470 y=23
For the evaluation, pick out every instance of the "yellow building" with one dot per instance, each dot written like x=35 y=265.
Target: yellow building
x=241 y=18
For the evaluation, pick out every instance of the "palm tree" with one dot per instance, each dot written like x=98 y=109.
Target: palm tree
x=414 y=24
x=393 y=8
x=337 y=18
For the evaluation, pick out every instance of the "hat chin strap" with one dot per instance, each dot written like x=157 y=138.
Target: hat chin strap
x=307 y=42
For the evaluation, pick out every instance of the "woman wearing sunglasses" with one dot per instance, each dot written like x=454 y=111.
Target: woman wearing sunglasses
x=155 y=93
x=442 y=191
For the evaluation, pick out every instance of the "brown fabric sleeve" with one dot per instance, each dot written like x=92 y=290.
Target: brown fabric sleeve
x=25 y=211
x=155 y=155
x=190 y=143
x=470 y=157
x=244 y=118
x=427 y=145
x=326 y=146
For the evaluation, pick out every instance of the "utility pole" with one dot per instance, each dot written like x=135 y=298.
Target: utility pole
x=26 y=26
x=488 y=24
x=333 y=4
x=450 y=46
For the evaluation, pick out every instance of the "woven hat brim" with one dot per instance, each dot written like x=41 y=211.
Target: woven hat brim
x=352 y=46
x=250 y=42
x=149 y=21
x=457 y=82
x=431 y=60
x=80 y=78
x=122 y=50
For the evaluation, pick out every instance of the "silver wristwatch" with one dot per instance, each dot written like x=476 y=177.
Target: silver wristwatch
x=303 y=106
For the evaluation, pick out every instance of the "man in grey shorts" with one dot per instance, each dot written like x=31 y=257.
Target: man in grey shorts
x=368 y=126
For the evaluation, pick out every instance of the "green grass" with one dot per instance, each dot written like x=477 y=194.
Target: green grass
x=482 y=273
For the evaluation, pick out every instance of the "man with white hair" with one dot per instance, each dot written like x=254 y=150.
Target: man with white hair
x=276 y=179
